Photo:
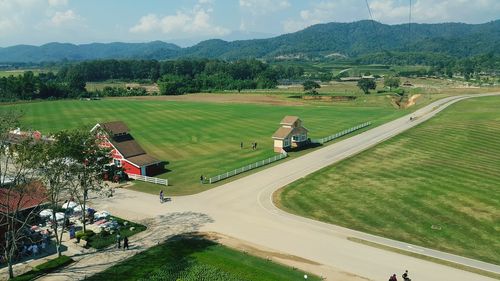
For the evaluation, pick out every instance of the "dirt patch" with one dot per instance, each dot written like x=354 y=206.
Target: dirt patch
x=224 y=98
x=412 y=101
x=327 y=272
x=329 y=98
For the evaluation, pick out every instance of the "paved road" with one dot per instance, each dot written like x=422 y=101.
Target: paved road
x=244 y=209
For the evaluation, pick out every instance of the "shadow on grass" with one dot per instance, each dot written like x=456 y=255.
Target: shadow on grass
x=171 y=258
x=160 y=230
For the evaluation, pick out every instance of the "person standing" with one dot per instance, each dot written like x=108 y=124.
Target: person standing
x=393 y=277
x=201 y=179
x=241 y=145
x=125 y=243
x=161 y=196
x=255 y=145
x=118 y=240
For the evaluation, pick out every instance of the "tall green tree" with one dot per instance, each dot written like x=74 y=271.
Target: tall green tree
x=366 y=85
x=392 y=82
x=88 y=157
x=310 y=87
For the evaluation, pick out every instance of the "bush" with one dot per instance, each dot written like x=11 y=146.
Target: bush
x=84 y=235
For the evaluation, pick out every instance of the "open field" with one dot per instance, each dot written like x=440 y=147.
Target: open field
x=7 y=73
x=436 y=185
x=186 y=258
x=201 y=138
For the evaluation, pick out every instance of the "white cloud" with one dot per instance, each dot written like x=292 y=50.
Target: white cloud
x=55 y=3
x=261 y=7
x=60 y=18
x=183 y=23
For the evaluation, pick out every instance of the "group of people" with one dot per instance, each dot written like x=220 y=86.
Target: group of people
x=254 y=145
x=35 y=248
x=119 y=240
x=405 y=277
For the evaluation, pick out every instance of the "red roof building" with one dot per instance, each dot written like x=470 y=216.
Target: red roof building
x=125 y=150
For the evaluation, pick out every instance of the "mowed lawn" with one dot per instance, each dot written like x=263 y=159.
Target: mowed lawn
x=197 y=138
x=437 y=185
x=193 y=259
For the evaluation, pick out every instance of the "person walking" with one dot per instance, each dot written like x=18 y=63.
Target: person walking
x=161 y=196
x=405 y=276
x=125 y=244
x=118 y=240
x=255 y=145
x=393 y=277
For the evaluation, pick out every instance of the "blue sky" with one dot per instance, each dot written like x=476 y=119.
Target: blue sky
x=190 y=21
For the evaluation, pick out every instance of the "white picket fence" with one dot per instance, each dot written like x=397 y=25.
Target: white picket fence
x=248 y=168
x=343 y=133
x=149 y=179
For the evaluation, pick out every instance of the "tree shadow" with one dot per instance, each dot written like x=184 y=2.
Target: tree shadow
x=161 y=230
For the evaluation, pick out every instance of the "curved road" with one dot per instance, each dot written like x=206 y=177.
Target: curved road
x=243 y=209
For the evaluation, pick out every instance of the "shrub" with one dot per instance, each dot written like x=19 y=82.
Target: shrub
x=84 y=235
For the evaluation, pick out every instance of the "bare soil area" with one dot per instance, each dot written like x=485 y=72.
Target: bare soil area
x=225 y=98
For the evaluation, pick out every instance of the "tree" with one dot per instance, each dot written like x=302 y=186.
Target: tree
x=20 y=196
x=310 y=87
x=55 y=169
x=366 y=84
x=392 y=82
x=88 y=160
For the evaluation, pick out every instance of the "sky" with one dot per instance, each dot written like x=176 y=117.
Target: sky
x=186 y=22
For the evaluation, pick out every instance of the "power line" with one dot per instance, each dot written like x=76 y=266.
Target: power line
x=373 y=25
x=409 y=33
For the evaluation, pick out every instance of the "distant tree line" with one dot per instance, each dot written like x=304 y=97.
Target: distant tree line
x=440 y=64
x=186 y=75
x=173 y=78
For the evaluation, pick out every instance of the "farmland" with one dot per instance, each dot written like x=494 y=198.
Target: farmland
x=187 y=258
x=435 y=185
x=202 y=138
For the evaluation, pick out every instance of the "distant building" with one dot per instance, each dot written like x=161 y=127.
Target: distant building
x=126 y=152
x=407 y=84
x=291 y=134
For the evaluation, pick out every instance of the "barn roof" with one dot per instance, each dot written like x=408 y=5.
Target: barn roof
x=143 y=160
x=289 y=120
x=115 y=127
x=127 y=145
x=12 y=200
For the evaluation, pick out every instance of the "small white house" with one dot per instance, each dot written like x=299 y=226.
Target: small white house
x=291 y=134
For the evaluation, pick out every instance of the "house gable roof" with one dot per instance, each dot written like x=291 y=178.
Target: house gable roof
x=282 y=133
x=289 y=120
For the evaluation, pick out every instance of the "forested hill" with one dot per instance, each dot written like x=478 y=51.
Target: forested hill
x=71 y=52
x=322 y=40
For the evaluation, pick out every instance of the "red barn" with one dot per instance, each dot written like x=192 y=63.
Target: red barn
x=126 y=152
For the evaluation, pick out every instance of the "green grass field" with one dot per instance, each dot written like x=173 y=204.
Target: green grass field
x=199 y=138
x=186 y=258
x=437 y=185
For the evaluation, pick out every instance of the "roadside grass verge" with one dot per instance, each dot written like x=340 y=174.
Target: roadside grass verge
x=44 y=268
x=427 y=258
x=191 y=257
x=436 y=185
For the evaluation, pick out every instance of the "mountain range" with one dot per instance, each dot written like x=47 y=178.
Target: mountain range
x=317 y=41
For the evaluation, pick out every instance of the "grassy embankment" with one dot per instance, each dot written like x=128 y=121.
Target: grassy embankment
x=436 y=185
x=186 y=258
